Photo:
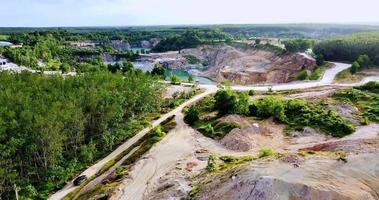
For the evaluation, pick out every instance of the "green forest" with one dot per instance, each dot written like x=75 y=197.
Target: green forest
x=349 y=48
x=51 y=127
x=192 y=39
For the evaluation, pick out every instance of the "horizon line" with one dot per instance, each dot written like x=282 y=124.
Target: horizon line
x=374 y=24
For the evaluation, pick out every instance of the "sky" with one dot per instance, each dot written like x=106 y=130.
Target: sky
x=53 y=13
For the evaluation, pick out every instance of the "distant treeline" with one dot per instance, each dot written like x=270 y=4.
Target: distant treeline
x=192 y=39
x=349 y=48
x=239 y=30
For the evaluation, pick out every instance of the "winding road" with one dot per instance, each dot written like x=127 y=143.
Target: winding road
x=326 y=80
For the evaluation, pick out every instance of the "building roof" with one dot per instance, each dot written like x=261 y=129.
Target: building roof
x=5 y=44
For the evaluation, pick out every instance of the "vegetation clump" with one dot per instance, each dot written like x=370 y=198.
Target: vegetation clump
x=263 y=153
x=365 y=97
x=298 y=45
x=191 y=115
x=295 y=113
x=211 y=164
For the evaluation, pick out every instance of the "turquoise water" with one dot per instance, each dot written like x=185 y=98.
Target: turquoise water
x=183 y=75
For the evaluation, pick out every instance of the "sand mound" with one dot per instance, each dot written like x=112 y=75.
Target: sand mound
x=264 y=135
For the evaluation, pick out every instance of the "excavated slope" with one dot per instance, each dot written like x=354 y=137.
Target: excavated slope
x=249 y=66
x=320 y=178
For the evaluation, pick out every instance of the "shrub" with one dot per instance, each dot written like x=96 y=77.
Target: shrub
x=243 y=103
x=191 y=115
x=302 y=75
x=355 y=67
x=157 y=135
x=175 y=80
x=252 y=92
x=226 y=101
x=208 y=130
x=158 y=70
x=364 y=61
x=269 y=107
x=316 y=74
x=211 y=164
x=265 y=153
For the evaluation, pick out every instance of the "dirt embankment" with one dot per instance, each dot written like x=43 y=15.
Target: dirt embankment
x=248 y=66
x=320 y=178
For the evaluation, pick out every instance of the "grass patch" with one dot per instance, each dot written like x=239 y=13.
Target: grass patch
x=319 y=71
x=192 y=194
x=263 y=153
x=346 y=76
x=214 y=129
x=75 y=192
x=101 y=191
x=302 y=75
x=4 y=37
x=330 y=154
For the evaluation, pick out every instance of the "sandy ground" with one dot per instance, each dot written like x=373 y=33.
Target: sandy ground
x=184 y=152
x=316 y=178
x=171 y=157
x=161 y=159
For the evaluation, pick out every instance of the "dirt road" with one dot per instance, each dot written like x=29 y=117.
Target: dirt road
x=91 y=171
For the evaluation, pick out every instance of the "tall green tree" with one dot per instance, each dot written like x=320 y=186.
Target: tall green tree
x=355 y=67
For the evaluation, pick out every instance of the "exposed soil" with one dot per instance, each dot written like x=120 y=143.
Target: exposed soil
x=255 y=136
x=318 y=178
x=248 y=66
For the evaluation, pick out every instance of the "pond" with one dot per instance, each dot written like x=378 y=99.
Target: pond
x=183 y=75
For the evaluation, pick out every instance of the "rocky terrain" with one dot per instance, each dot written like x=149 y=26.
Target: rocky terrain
x=248 y=66
x=240 y=66
x=317 y=178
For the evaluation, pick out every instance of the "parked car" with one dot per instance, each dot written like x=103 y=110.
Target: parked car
x=80 y=179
